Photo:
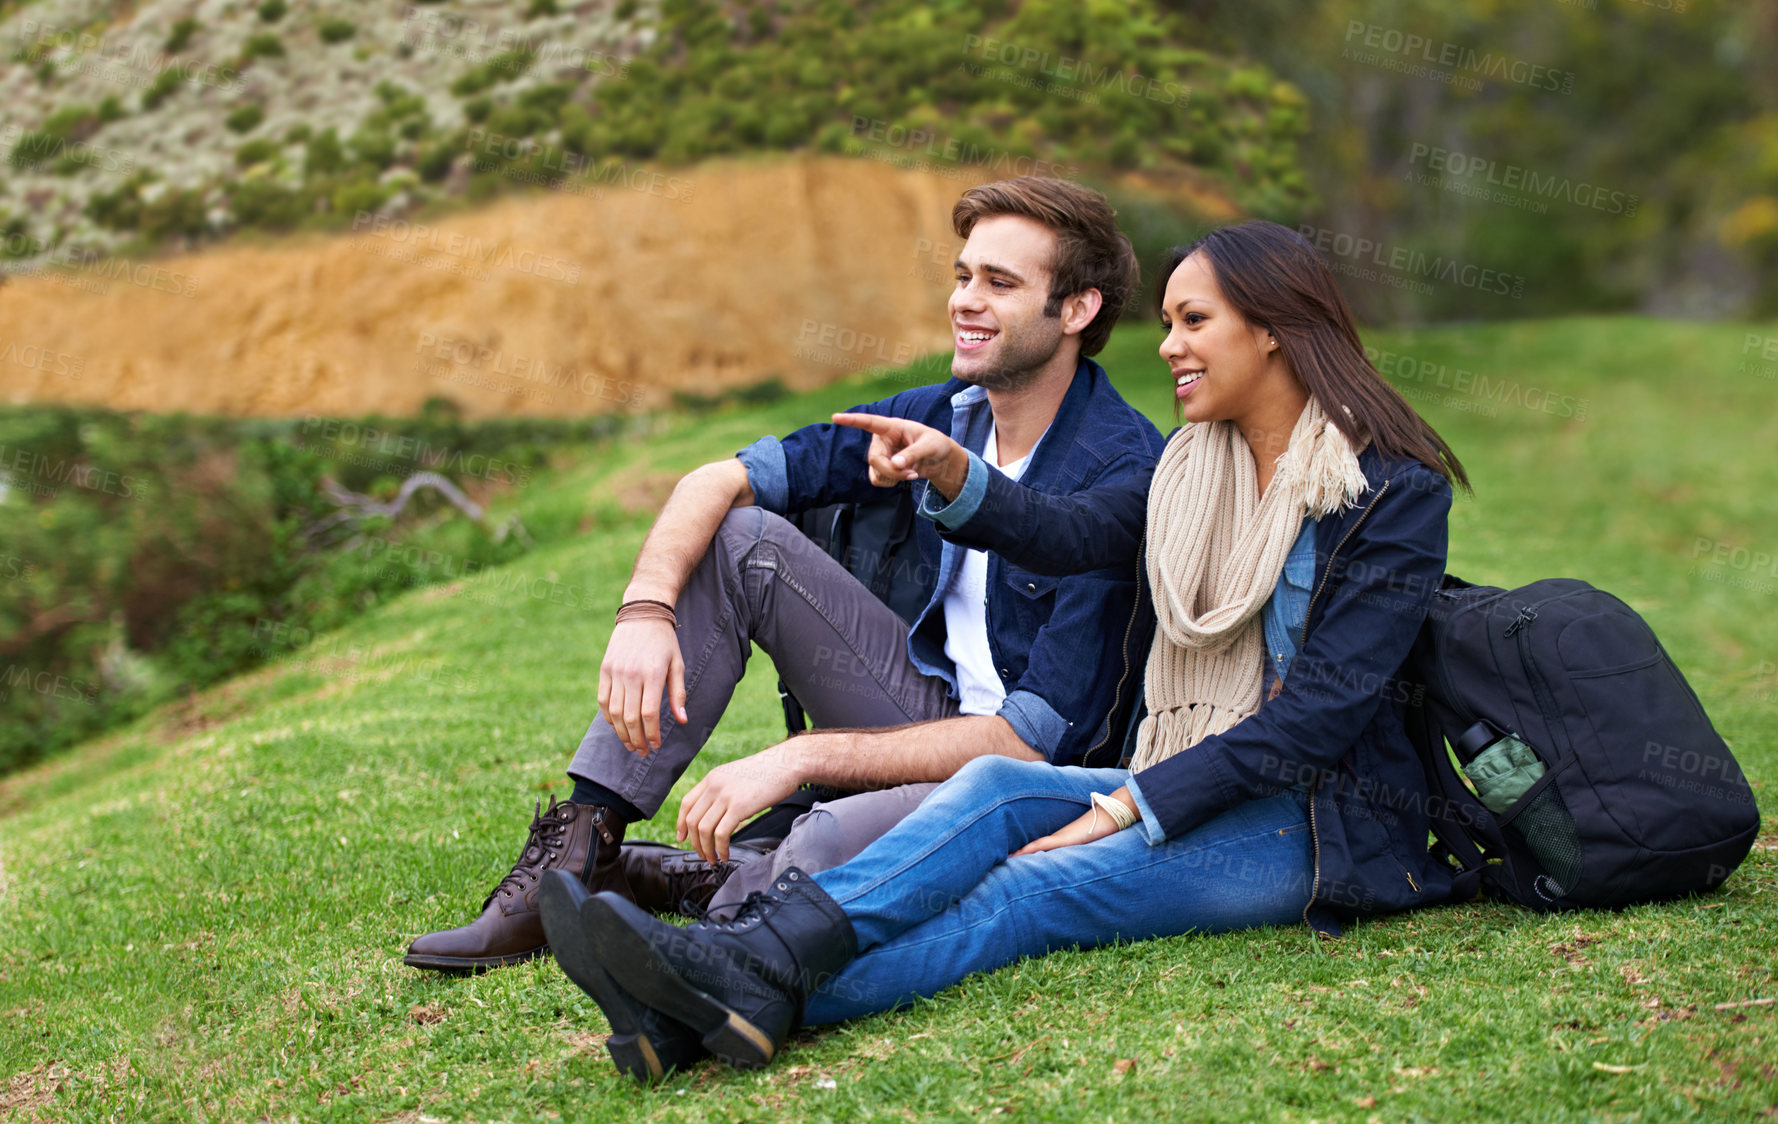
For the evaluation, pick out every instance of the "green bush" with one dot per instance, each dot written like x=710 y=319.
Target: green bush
x=176 y=213
x=434 y=161
x=503 y=67
x=33 y=148
x=271 y=11
x=180 y=36
x=722 y=79
x=167 y=81
x=16 y=241
x=263 y=46
x=786 y=77
x=336 y=30
x=66 y=126
x=256 y=151
x=359 y=196
x=246 y=118
x=373 y=147
x=325 y=154
x=149 y=555
x=262 y=204
x=121 y=207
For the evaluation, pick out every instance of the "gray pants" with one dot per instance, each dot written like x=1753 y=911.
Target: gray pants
x=842 y=652
x=828 y=834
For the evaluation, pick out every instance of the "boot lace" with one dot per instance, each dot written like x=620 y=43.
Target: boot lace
x=683 y=879
x=543 y=845
x=751 y=911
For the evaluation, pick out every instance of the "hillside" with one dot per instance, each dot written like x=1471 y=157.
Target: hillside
x=202 y=916
x=555 y=207
x=556 y=303
x=175 y=123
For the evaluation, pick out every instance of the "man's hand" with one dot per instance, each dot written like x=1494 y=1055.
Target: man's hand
x=1092 y=826
x=728 y=795
x=641 y=661
x=906 y=450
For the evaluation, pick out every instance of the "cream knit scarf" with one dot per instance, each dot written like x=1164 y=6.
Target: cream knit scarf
x=1215 y=550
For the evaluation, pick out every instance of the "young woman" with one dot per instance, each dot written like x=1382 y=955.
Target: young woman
x=1296 y=531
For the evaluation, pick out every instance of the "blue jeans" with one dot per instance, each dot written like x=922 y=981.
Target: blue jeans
x=937 y=898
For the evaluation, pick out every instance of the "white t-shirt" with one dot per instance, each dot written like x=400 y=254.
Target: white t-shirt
x=979 y=687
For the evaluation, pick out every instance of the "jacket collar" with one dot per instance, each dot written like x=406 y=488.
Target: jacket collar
x=970 y=414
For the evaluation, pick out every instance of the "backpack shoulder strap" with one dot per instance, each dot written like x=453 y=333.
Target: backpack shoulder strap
x=1456 y=807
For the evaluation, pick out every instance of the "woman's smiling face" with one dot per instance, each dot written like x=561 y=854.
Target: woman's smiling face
x=1224 y=368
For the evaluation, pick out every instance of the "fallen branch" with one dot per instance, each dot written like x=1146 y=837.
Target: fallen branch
x=355 y=507
x=1745 y=1003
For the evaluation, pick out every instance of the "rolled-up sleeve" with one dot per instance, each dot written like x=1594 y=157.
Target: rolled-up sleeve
x=1035 y=721
x=960 y=510
x=768 y=474
x=1151 y=824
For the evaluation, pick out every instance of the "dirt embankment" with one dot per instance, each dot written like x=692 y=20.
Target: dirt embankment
x=560 y=303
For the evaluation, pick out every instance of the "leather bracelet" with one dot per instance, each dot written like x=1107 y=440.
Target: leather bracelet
x=644 y=609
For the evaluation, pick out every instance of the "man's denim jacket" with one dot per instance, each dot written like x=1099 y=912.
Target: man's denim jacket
x=1064 y=646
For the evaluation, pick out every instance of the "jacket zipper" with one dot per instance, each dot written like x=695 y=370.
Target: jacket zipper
x=1314 y=830
x=1540 y=688
x=1135 y=608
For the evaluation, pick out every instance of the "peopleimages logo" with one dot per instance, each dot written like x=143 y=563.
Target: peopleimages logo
x=114 y=53
x=1425 y=52
x=953 y=153
x=22 y=148
x=1414 y=263
x=367 y=443
x=475 y=251
x=20 y=466
x=1476 y=174
x=47 y=360
x=49 y=684
x=1074 y=71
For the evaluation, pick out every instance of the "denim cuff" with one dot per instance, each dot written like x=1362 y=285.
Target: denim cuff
x=957 y=512
x=1151 y=824
x=768 y=474
x=1035 y=721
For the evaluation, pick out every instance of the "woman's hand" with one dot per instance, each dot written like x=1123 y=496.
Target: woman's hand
x=1096 y=824
x=906 y=450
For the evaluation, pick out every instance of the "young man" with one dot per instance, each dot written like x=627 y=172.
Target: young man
x=1000 y=661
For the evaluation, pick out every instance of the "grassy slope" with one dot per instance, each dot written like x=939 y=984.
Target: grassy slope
x=202 y=917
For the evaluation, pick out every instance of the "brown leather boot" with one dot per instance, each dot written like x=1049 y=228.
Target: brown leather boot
x=584 y=839
x=663 y=879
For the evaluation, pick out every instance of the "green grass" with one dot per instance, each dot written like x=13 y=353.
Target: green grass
x=202 y=916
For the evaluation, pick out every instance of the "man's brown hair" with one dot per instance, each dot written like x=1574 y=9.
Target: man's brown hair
x=1091 y=252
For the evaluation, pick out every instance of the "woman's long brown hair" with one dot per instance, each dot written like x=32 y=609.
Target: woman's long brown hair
x=1274 y=278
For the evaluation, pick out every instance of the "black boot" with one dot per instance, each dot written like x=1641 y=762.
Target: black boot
x=741 y=984
x=645 y=1044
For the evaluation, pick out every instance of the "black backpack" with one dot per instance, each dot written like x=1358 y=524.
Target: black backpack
x=1639 y=798
x=874 y=540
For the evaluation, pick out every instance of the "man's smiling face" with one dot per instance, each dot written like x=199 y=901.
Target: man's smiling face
x=998 y=324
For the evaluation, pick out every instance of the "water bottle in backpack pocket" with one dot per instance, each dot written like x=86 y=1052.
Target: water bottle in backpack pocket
x=1506 y=774
x=1598 y=778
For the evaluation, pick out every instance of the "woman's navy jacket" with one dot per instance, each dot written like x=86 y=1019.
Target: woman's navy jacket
x=1336 y=730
